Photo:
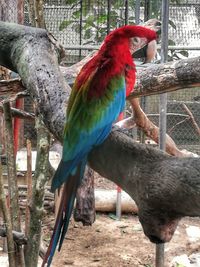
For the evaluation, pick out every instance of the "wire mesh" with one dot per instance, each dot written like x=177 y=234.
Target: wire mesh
x=8 y=10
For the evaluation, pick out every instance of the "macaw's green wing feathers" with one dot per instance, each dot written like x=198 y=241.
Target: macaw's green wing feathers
x=88 y=124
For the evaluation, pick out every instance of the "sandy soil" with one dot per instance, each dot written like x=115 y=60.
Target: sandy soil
x=110 y=243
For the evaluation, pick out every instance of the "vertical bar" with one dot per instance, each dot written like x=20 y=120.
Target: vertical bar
x=81 y=26
x=143 y=101
x=119 y=190
x=108 y=16
x=147 y=9
x=29 y=185
x=119 y=203
x=137 y=12
x=126 y=3
x=160 y=255
x=163 y=107
x=164 y=54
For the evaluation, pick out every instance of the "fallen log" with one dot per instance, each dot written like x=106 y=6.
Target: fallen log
x=105 y=201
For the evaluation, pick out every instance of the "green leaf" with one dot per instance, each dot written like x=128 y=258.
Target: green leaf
x=89 y=22
x=171 y=42
x=64 y=24
x=88 y=34
x=183 y=53
x=69 y=2
x=102 y=19
x=171 y=23
x=76 y=27
x=112 y=216
x=76 y=14
x=179 y=265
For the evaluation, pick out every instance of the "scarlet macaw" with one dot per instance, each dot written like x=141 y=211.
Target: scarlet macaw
x=97 y=98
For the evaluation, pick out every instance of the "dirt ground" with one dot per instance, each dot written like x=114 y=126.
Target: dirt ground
x=110 y=243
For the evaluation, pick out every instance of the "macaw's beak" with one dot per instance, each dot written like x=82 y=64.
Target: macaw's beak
x=141 y=48
x=147 y=51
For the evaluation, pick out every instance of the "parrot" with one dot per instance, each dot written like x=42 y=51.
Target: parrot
x=97 y=98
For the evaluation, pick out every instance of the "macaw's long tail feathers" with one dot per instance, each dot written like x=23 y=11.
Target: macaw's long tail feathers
x=67 y=168
x=64 y=214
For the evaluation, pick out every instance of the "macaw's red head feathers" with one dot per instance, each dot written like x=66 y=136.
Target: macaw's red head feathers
x=120 y=38
x=130 y=31
x=113 y=58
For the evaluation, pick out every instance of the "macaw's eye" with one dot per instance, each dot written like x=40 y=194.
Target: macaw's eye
x=135 y=40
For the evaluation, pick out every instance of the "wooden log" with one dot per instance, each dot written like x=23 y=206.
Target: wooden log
x=105 y=201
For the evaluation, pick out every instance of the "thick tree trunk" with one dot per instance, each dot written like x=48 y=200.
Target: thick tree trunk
x=23 y=55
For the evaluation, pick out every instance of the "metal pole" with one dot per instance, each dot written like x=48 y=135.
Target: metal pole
x=163 y=107
x=81 y=26
x=160 y=257
x=126 y=4
x=137 y=11
x=119 y=203
x=119 y=190
x=147 y=9
x=108 y=16
x=164 y=54
x=143 y=100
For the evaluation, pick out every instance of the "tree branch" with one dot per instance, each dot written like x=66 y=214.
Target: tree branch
x=165 y=188
x=168 y=77
x=192 y=119
x=20 y=113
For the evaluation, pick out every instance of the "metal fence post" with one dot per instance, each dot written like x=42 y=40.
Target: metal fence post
x=163 y=108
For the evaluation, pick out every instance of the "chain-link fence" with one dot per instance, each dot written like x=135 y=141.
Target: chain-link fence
x=81 y=25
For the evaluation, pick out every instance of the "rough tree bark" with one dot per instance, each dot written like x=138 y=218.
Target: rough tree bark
x=85 y=205
x=172 y=180
x=40 y=179
x=165 y=188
